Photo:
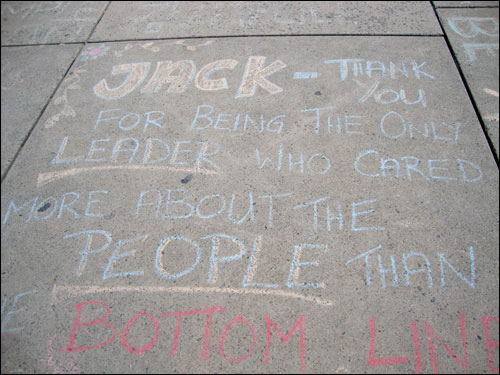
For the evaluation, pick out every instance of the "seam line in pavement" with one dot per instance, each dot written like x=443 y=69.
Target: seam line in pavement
x=41 y=44
x=467 y=88
x=266 y=36
x=224 y=36
x=4 y=175
x=40 y=115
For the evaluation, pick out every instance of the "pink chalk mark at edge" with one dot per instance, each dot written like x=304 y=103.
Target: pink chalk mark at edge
x=95 y=51
x=490 y=344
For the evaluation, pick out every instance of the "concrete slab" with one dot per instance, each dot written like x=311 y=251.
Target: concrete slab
x=154 y=20
x=41 y=22
x=281 y=204
x=473 y=34
x=464 y=4
x=26 y=89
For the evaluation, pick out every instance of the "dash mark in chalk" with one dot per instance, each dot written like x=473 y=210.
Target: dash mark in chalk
x=305 y=75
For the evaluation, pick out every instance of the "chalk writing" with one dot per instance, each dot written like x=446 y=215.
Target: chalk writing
x=231 y=122
x=246 y=15
x=202 y=77
x=70 y=83
x=359 y=67
x=394 y=126
x=155 y=150
x=192 y=45
x=389 y=96
x=70 y=206
x=136 y=73
x=168 y=246
x=163 y=75
x=93 y=52
x=432 y=335
x=11 y=312
x=437 y=168
x=116 y=256
x=491 y=116
x=432 y=350
x=299 y=323
x=252 y=266
x=346 y=125
x=490 y=343
x=296 y=265
x=255 y=75
x=250 y=335
x=471 y=47
x=491 y=92
x=176 y=200
x=99 y=321
x=105 y=321
x=179 y=204
x=214 y=260
x=321 y=166
x=57 y=362
x=28 y=9
x=225 y=238
x=64 y=14
x=405 y=259
x=178 y=75
x=339 y=218
x=63 y=292
x=242 y=358
x=175 y=204
x=48 y=177
x=10 y=79
x=380 y=361
x=470 y=27
x=305 y=75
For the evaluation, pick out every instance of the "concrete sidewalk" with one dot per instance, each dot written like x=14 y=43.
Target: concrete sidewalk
x=250 y=187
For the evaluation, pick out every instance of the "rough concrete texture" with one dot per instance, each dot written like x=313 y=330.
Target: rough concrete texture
x=38 y=22
x=464 y=4
x=306 y=204
x=473 y=34
x=154 y=20
x=29 y=77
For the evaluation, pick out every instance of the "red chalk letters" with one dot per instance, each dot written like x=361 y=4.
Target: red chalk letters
x=105 y=322
x=271 y=328
x=433 y=336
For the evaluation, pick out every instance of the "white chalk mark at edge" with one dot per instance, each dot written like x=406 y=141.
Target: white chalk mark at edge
x=491 y=92
x=305 y=75
x=492 y=117
x=64 y=292
x=47 y=177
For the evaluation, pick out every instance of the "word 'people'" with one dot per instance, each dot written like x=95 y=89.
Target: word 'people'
x=122 y=262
